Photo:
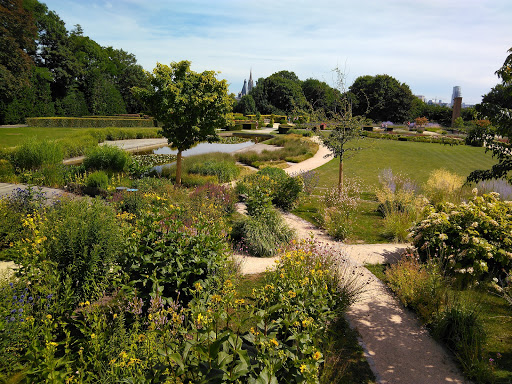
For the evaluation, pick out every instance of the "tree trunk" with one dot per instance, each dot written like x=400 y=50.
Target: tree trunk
x=178 y=168
x=340 y=176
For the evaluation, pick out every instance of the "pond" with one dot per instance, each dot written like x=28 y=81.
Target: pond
x=202 y=148
x=199 y=149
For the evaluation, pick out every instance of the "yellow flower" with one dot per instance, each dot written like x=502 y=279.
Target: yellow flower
x=292 y=294
x=49 y=317
x=87 y=303
x=239 y=301
x=303 y=368
x=216 y=298
x=274 y=341
x=51 y=344
x=123 y=355
x=317 y=355
x=198 y=287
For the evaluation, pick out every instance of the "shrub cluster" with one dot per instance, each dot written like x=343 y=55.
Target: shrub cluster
x=282 y=189
x=88 y=122
x=416 y=138
x=275 y=335
x=106 y=157
x=294 y=149
x=472 y=238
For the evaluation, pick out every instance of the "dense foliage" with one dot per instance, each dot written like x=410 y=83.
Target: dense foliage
x=473 y=239
x=496 y=107
x=46 y=70
x=381 y=98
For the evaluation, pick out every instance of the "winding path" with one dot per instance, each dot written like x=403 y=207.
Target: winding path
x=397 y=347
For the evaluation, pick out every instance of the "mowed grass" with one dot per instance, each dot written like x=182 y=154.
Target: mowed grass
x=11 y=137
x=411 y=159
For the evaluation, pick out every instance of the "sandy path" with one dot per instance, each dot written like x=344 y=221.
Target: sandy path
x=397 y=347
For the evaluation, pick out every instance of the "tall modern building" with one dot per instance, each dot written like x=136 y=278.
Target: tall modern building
x=456 y=93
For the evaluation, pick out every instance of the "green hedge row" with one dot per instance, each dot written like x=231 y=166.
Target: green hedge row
x=421 y=139
x=88 y=122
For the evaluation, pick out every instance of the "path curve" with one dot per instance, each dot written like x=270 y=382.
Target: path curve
x=397 y=347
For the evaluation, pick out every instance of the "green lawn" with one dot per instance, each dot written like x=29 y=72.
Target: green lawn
x=412 y=159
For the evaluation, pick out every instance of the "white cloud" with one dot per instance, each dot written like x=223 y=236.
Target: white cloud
x=431 y=45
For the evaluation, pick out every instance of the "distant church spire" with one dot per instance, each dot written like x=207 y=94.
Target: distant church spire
x=248 y=86
x=251 y=84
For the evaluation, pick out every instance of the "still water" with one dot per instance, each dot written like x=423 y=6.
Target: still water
x=202 y=148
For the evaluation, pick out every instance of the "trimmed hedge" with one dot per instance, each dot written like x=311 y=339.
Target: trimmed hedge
x=88 y=122
x=416 y=138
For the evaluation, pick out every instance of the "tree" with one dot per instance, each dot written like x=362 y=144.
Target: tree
x=280 y=93
x=246 y=105
x=17 y=41
x=381 y=98
x=496 y=106
x=190 y=105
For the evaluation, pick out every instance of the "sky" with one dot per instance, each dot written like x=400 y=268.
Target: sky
x=430 y=45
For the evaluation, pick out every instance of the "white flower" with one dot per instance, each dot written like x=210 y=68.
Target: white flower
x=443 y=236
x=475 y=191
x=495 y=279
x=474 y=225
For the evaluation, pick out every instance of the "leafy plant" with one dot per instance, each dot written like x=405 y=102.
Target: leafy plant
x=106 y=157
x=98 y=179
x=470 y=239
x=34 y=153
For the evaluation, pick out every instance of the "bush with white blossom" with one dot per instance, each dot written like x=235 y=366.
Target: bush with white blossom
x=473 y=240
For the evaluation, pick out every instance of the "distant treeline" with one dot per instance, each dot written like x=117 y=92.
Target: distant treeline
x=46 y=70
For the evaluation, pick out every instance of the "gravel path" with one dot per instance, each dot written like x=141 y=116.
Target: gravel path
x=398 y=348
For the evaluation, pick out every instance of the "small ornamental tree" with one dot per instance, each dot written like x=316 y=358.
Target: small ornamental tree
x=344 y=127
x=190 y=105
x=421 y=121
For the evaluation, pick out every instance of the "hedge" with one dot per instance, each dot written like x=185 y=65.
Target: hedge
x=421 y=139
x=88 y=122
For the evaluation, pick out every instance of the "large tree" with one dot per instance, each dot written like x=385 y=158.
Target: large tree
x=190 y=105
x=17 y=43
x=280 y=93
x=496 y=106
x=381 y=98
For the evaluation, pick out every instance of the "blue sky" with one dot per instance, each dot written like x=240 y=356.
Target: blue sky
x=430 y=45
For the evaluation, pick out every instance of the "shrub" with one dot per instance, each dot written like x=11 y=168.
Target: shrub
x=397 y=204
x=82 y=238
x=88 y=122
x=471 y=239
x=282 y=189
x=98 y=179
x=224 y=170
x=34 y=153
x=106 y=157
x=167 y=256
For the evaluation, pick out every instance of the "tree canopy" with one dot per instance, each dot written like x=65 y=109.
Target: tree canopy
x=63 y=72
x=496 y=106
x=190 y=105
x=381 y=98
